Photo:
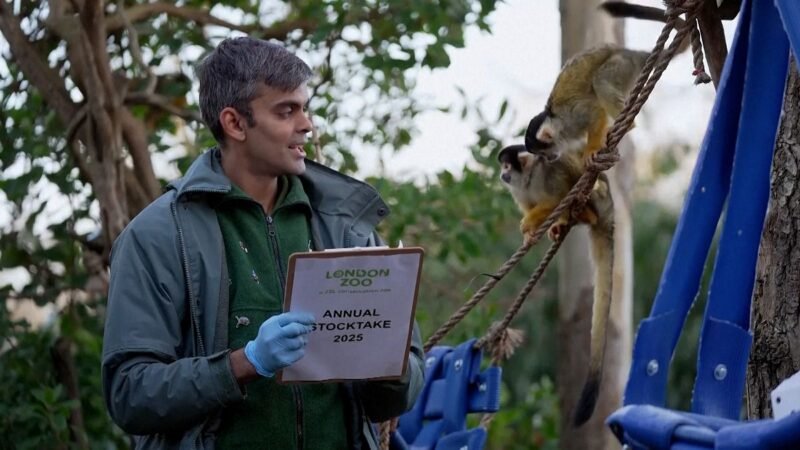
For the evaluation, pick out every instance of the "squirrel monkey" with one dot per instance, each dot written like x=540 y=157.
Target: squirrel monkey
x=588 y=94
x=538 y=183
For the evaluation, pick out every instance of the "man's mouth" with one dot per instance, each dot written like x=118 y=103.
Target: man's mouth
x=298 y=148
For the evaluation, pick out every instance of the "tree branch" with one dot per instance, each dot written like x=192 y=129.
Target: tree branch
x=84 y=171
x=163 y=103
x=5 y=139
x=136 y=51
x=34 y=66
x=93 y=21
x=146 y=11
x=135 y=195
x=67 y=375
x=135 y=135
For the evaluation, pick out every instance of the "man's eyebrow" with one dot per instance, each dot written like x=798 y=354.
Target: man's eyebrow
x=292 y=103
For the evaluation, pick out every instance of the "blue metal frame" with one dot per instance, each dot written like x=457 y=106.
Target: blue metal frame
x=734 y=166
x=455 y=386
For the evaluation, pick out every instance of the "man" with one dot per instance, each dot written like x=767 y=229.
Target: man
x=194 y=329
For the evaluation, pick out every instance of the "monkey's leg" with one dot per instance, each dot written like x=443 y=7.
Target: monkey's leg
x=596 y=138
x=614 y=79
x=587 y=216
x=599 y=211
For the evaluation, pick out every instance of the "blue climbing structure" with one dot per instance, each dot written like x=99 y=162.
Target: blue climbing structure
x=733 y=167
x=455 y=386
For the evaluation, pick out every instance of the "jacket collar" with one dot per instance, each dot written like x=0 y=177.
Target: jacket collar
x=329 y=192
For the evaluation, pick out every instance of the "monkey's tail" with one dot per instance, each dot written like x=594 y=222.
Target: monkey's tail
x=602 y=237
x=631 y=10
x=634 y=11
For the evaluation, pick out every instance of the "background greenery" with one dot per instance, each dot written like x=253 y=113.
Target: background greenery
x=467 y=222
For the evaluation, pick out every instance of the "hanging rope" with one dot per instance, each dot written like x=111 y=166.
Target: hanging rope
x=495 y=338
x=498 y=339
x=697 y=54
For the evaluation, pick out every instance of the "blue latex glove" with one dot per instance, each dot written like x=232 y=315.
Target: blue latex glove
x=280 y=342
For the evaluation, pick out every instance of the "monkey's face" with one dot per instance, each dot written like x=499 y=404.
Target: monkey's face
x=509 y=162
x=514 y=162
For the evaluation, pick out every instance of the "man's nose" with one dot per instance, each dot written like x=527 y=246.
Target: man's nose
x=305 y=125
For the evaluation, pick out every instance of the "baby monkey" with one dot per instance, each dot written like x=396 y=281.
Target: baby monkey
x=538 y=182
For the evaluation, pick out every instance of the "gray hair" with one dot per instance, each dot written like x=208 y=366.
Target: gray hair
x=231 y=74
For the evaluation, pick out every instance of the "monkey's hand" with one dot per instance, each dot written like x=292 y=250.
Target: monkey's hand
x=533 y=218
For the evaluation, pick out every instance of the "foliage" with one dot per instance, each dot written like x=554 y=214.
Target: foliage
x=530 y=424
x=34 y=407
x=366 y=54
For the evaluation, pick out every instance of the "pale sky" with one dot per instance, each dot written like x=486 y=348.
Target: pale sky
x=519 y=61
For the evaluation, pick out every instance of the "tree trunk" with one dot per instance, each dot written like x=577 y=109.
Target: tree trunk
x=776 y=305
x=583 y=26
x=99 y=129
x=67 y=375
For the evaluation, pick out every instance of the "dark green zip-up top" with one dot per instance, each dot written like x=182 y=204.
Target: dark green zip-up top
x=165 y=368
x=257 y=249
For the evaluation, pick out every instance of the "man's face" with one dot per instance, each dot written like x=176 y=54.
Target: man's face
x=274 y=145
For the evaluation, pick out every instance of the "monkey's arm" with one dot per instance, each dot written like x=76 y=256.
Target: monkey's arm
x=534 y=217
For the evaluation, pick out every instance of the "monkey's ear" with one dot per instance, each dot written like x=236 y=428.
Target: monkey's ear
x=546 y=133
x=531 y=143
x=526 y=159
x=509 y=153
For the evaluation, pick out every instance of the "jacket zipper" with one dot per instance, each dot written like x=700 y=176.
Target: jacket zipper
x=296 y=393
x=192 y=301
x=273 y=240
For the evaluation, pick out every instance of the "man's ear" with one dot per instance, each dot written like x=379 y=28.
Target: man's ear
x=233 y=124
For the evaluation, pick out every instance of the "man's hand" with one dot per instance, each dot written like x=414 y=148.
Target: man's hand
x=280 y=342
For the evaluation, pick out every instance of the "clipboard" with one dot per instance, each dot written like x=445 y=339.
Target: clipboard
x=363 y=300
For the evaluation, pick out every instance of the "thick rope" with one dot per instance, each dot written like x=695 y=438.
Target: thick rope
x=697 y=54
x=577 y=197
x=387 y=428
x=490 y=339
x=456 y=317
